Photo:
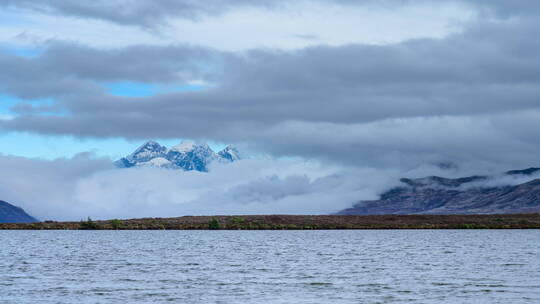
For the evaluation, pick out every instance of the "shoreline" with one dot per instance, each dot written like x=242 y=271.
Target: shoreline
x=296 y=222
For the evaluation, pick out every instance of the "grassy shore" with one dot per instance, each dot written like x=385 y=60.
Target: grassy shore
x=297 y=222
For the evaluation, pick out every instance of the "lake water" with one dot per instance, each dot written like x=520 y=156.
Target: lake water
x=392 y=266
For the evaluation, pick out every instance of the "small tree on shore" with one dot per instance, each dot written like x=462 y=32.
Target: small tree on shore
x=213 y=224
x=88 y=225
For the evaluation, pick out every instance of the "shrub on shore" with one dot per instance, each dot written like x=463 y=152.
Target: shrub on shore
x=213 y=224
x=88 y=224
x=117 y=224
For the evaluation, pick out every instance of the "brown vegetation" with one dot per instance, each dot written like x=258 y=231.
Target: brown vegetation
x=299 y=222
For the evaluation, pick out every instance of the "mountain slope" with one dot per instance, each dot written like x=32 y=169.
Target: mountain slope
x=14 y=214
x=437 y=195
x=186 y=156
x=229 y=153
x=145 y=153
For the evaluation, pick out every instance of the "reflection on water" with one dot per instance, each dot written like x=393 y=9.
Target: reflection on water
x=400 y=266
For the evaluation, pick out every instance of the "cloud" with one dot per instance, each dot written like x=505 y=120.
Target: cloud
x=67 y=70
x=157 y=13
x=71 y=189
x=333 y=24
x=499 y=180
x=359 y=104
x=466 y=98
x=82 y=186
x=121 y=11
x=475 y=144
x=40 y=185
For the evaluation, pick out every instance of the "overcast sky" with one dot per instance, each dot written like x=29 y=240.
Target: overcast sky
x=388 y=85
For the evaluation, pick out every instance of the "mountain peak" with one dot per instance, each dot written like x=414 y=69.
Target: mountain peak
x=187 y=156
x=527 y=171
x=184 y=146
x=230 y=153
x=149 y=146
x=230 y=148
x=151 y=142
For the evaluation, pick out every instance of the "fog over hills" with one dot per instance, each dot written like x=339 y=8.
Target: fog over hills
x=72 y=189
x=467 y=195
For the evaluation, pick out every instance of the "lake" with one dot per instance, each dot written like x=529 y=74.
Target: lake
x=339 y=266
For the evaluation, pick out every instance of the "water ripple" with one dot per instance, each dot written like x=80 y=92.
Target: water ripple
x=402 y=266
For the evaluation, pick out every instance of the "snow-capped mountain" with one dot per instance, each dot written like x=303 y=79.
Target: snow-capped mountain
x=230 y=153
x=186 y=156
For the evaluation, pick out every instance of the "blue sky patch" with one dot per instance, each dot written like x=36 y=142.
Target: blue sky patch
x=7 y=102
x=136 y=89
x=26 y=52
x=52 y=147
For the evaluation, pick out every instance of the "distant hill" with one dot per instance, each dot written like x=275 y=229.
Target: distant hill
x=186 y=156
x=14 y=214
x=467 y=195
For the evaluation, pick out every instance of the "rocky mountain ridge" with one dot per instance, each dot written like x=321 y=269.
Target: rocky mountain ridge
x=466 y=195
x=186 y=156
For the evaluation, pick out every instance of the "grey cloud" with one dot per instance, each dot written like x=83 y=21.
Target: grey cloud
x=133 y=12
x=152 y=14
x=507 y=9
x=305 y=36
x=477 y=144
x=67 y=68
x=481 y=71
x=137 y=63
x=434 y=100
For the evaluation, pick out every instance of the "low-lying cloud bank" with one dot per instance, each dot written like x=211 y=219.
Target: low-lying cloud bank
x=82 y=186
x=500 y=180
x=72 y=189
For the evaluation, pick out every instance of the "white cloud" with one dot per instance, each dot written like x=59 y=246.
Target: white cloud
x=284 y=27
x=499 y=180
x=71 y=189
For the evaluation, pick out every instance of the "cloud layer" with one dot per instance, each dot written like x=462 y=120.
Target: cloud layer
x=402 y=101
x=133 y=12
x=72 y=189
x=85 y=186
x=158 y=13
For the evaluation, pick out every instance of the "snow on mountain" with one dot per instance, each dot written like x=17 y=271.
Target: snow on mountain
x=230 y=153
x=190 y=156
x=156 y=162
x=184 y=146
x=186 y=156
x=145 y=153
